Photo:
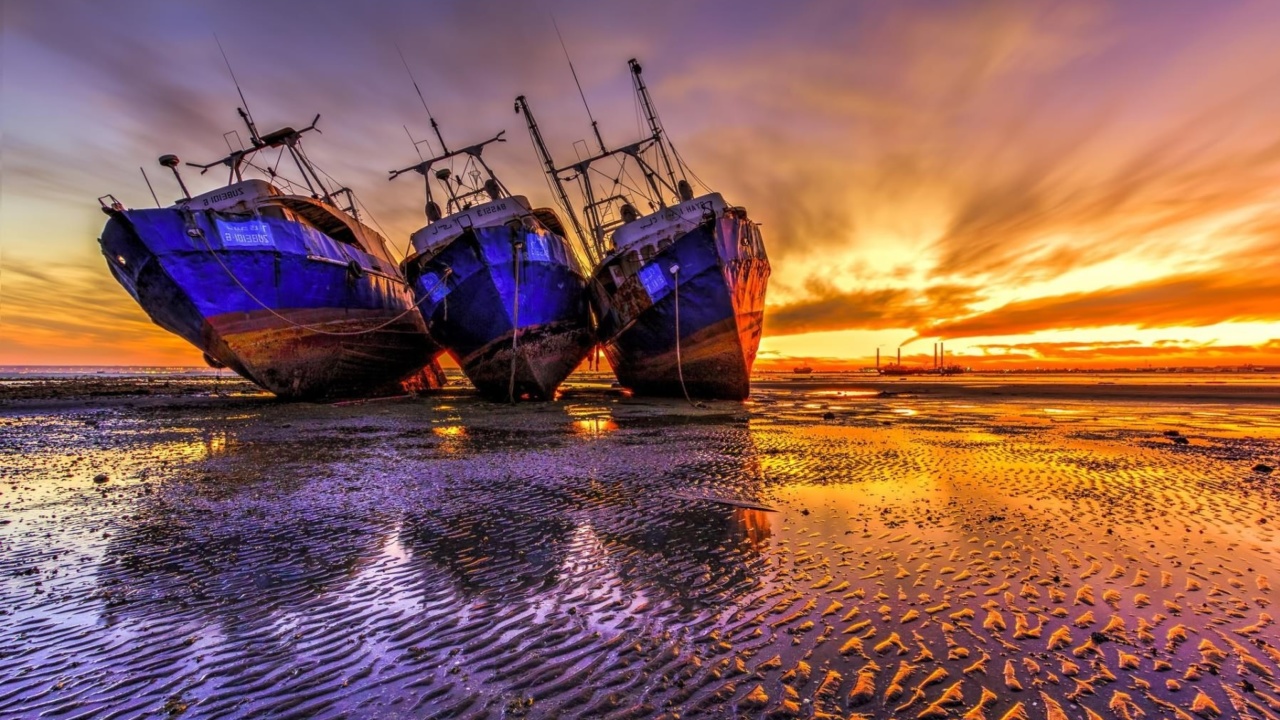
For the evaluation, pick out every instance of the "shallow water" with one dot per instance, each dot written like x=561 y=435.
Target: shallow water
x=444 y=557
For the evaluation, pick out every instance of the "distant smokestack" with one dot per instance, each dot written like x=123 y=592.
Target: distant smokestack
x=942 y=354
x=899 y=355
x=877 y=358
x=935 y=355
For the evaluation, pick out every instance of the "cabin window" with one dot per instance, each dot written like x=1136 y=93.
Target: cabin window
x=646 y=253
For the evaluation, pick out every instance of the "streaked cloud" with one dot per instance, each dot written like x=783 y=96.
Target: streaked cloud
x=1190 y=300
x=984 y=171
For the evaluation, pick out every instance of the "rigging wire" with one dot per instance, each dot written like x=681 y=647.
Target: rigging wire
x=687 y=169
x=675 y=276
x=276 y=167
x=594 y=126
x=515 y=322
x=617 y=181
x=422 y=99
x=356 y=200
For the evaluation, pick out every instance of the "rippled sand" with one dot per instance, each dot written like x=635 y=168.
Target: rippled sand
x=928 y=556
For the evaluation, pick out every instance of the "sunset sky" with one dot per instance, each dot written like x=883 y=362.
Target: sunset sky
x=1074 y=184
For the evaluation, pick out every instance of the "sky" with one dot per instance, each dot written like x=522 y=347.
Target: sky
x=1037 y=184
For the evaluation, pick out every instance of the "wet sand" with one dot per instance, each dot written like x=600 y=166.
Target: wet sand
x=928 y=552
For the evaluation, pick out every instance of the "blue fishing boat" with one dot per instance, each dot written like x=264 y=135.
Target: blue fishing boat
x=678 y=293
x=291 y=291
x=501 y=288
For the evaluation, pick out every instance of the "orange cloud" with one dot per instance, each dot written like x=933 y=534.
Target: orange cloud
x=923 y=159
x=1188 y=300
x=830 y=309
x=63 y=314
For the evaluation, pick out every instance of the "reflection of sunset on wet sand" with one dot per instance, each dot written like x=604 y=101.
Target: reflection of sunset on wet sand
x=923 y=554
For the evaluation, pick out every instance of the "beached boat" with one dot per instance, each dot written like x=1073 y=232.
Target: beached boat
x=291 y=291
x=679 y=292
x=500 y=286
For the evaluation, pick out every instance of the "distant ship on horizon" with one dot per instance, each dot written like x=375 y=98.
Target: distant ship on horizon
x=898 y=369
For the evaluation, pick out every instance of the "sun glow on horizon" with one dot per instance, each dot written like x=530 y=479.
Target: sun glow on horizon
x=1091 y=185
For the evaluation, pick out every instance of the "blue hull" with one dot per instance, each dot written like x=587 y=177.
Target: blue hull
x=468 y=295
x=718 y=296
x=274 y=299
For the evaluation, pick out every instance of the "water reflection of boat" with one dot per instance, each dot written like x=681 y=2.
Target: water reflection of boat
x=497 y=550
x=692 y=553
x=165 y=560
x=291 y=291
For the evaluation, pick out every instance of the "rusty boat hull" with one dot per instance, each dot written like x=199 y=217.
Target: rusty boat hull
x=508 y=302
x=276 y=300
x=714 y=296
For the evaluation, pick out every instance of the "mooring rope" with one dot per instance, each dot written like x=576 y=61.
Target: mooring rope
x=515 y=321
x=675 y=273
x=312 y=328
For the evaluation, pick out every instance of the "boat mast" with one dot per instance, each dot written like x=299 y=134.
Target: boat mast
x=591 y=209
x=455 y=200
x=288 y=138
x=595 y=126
x=655 y=126
x=522 y=107
x=423 y=100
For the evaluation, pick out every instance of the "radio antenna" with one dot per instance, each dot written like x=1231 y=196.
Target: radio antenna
x=430 y=117
x=248 y=116
x=595 y=127
x=148 y=181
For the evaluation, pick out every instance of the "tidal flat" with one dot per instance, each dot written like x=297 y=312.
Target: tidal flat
x=826 y=550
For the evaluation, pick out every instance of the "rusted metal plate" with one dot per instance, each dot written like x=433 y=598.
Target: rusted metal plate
x=544 y=355
x=325 y=353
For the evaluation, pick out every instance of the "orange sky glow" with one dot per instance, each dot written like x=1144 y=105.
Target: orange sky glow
x=1058 y=185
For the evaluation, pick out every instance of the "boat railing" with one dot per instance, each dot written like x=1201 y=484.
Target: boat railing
x=115 y=206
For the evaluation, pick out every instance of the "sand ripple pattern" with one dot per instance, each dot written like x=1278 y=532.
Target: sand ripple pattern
x=449 y=558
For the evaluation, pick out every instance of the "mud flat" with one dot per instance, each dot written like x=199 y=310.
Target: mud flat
x=922 y=556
